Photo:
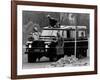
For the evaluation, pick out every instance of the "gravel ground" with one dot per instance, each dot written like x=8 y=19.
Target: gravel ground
x=70 y=62
x=36 y=65
x=45 y=63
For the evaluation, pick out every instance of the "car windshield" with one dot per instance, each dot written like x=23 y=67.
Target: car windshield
x=49 y=33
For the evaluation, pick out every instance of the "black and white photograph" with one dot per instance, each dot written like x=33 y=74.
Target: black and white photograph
x=50 y=39
x=55 y=39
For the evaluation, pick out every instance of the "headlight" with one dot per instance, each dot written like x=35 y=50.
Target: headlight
x=30 y=46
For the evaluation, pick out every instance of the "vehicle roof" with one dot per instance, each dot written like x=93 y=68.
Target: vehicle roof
x=66 y=27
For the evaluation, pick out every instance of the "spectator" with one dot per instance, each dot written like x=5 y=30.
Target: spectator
x=52 y=21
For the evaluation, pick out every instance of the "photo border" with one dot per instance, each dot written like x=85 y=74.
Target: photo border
x=14 y=38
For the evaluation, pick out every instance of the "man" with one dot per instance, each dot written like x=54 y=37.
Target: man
x=52 y=21
x=60 y=45
x=36 y=34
